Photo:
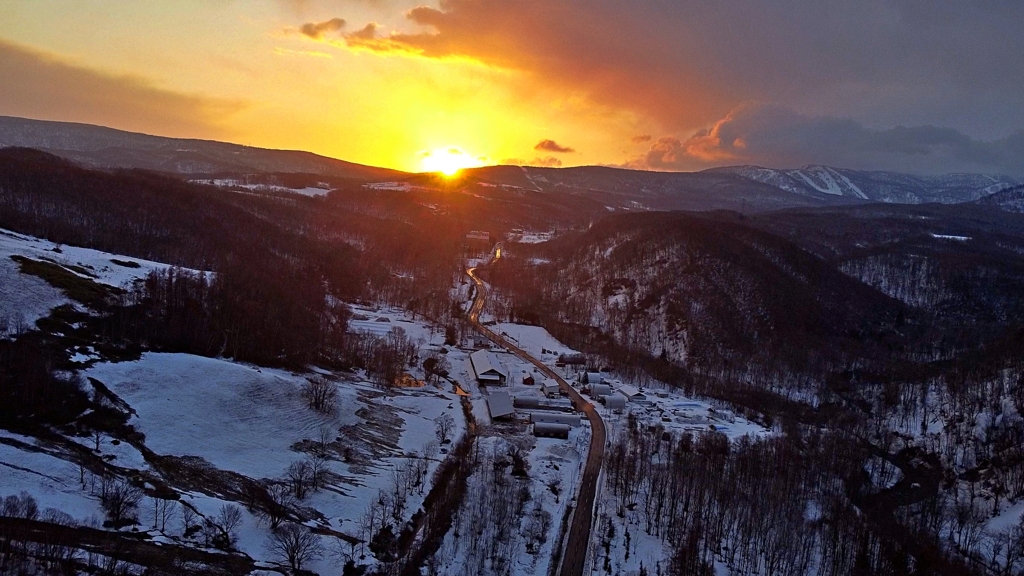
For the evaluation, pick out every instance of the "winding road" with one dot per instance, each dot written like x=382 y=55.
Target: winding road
x=574 y=556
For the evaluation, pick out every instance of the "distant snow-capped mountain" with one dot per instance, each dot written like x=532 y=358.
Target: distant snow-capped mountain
x=828 y=183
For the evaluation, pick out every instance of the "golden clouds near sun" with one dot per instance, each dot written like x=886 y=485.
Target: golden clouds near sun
x=448 y=161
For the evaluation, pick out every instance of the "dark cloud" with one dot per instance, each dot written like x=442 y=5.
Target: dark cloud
x=640 y=139
x=685 y=63
x=38 y=85
x=778 y=137
x=552 y=146
x=317 y=30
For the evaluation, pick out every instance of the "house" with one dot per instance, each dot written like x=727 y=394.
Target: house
x=487 y=369
x=555 y=418
x=551 y=430
x=632 y=394
x=615 y=401
x=550 y=388
x=499 y=404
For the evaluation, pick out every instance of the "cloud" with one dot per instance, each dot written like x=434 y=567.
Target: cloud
x=43 y=86
x=686 y=63
x=318 y=30
x=552 y=146
x=640 y=139
x=365 y=34
x=778 y=137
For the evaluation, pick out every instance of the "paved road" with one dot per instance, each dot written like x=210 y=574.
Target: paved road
x=575 y=554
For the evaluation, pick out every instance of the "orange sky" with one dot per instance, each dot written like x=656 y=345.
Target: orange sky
x=242 y=71
x=659 y=84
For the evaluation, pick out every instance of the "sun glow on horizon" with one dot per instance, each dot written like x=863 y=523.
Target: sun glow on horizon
x=449 y=161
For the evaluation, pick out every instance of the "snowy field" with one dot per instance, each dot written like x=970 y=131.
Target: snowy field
x=312 y=191
x=31 y=298
x=26 y=465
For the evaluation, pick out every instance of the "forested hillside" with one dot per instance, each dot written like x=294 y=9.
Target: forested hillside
x=884 y=341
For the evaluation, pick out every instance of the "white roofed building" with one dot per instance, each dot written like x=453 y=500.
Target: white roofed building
x=487 y=369
x=632 y=394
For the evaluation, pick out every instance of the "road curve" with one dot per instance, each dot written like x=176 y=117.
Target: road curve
x=574 y=556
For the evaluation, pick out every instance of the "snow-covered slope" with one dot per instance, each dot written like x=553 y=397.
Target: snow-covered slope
x=25 y=298
x=828 y=183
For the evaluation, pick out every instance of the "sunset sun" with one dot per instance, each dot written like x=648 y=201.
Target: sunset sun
x=448 y=161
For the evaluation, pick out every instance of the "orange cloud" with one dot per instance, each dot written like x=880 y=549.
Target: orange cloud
x=318 y=30
x=552 y=146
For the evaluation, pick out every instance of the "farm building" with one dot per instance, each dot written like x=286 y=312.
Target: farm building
x=551 y=430
x=550 y=388
x=570 y=419
x=499 y=404
x=487 y=368
x=526 y=401
x=600 y=390
x=592 y=378
x=615 y=401
x=632 y=394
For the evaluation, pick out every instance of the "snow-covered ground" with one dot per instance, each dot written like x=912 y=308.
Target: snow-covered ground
x=27 y=297
x=321 y=190
x=239 y=418
x=28 y=466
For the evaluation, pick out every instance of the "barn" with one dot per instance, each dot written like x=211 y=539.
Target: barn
x=632 y=394
x=487 y=369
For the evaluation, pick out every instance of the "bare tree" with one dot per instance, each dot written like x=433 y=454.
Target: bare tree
x=229 y=519
x=188 y=519
x=300 y=477
x=163 y=512
x=119 y=499
x=317 y=470
x=295 y=544
x=275 y=508
x=444 y=426
x=320 y=394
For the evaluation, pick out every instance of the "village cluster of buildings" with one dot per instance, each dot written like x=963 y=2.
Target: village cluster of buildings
x=551 y=414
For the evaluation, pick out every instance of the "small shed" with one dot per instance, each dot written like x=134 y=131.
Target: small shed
x=600 y=390
x=551 y=430
x=487 y=368
x=499 y=404
x=555 y=418
x=593 y=378
x=550 y=388
x=632 y=394
x=615 y=401
x=528 y=380
x=526 y=401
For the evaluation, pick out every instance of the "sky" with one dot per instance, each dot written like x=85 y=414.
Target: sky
x=909 y=85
